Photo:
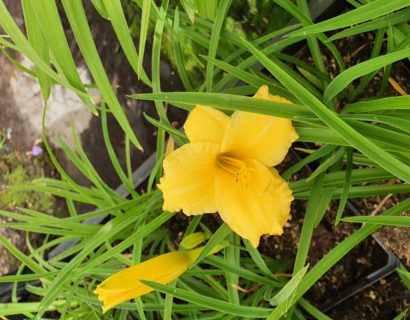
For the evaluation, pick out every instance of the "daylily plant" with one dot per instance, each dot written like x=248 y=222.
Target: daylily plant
x=227 y=168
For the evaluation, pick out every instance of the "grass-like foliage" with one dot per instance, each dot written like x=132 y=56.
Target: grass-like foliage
x=364 y=143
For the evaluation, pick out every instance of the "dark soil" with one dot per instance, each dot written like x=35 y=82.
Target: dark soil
x=384 y=300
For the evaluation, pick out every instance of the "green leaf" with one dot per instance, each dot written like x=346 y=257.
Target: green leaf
x=156 y=86
x=207 y=9
x=190 y=8
x=369 y=11
x=316 y=154
x=252 y=60
x=333 y=179
x=311 y=215
x=288 y=290
x=304 y=17
x=111 y=153
x=193 y=240
x=27 y=277
x=210 y=303
x=221 y=234
x=179 y=61
x=404 y=275
x=394 y=120
x=346 y=187
x=232 y=257
x=390 y=103
x=78 y=21
x=229 y=102
x=324 y=203
x=213 y=42
x=331 y=119
x=10 y=309
x=372 y=25
x=49 y=20
x=361 y=69
x=381 y=220
x=145 y=14
x=364 y=81
x=179 y=137
x=312 y=41
x=38 y=41
x=402 y=315
x=311 y=78
x=31 y=264
x=331 y=160
x=364 y=191
x=297 y=77
x=315 y=312
x=242 y=272
x=400 y=140
x=100 y=7
x=119 y=23
x=257 y=258
x=254 y=80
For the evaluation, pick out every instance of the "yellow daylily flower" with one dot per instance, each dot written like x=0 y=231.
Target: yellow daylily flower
x=125 y=284
x=226 y=168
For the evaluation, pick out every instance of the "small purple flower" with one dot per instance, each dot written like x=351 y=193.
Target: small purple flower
x=36 y=151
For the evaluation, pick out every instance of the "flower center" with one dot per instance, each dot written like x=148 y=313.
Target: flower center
x=230 y=165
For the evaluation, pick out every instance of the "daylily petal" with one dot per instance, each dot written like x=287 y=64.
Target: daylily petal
x=205 y=124
x=188 y=183
x=252 y=199
x=258 y=136
x=126 y=285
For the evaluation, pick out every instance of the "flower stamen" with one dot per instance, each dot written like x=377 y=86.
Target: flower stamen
x=231 y=165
